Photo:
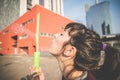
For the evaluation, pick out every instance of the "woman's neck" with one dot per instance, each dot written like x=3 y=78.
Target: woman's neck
x=68 y=70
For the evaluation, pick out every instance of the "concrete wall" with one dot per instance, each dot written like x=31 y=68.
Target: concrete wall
x=9 y=11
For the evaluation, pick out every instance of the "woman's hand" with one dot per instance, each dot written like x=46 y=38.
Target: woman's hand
x=36 y=74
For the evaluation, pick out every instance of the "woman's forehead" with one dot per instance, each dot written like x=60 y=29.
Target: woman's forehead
x=67 y=30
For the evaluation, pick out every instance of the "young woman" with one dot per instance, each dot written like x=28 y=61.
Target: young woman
x=81 y=53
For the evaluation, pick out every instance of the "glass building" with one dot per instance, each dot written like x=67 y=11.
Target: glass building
x=98 y=18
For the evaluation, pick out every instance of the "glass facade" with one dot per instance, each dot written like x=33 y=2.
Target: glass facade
x=41 y=2
x=98 y=18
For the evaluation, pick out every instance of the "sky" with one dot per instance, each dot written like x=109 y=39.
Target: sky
x=75 y=10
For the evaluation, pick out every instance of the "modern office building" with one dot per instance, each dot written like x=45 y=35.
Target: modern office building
x=10 y=10
x=102 y=18
x=53 y=5
x=98 y=18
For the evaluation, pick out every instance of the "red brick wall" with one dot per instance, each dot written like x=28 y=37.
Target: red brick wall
x=50 y=23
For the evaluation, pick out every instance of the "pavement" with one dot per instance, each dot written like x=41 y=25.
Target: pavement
x=15 y=67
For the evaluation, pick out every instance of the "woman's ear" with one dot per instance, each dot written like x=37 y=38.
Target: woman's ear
x=69 y=51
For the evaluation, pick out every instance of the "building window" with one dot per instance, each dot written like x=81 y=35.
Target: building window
x=60 y=6
x=42 y=33
x=52 y=5
x=27 y=22
x=105 y=29
x=24 y=36
x=108 y=29
x=46 y=34
x=41 y=2
x=56 y=7
x=51 y=35
x=5 y=32
x=92 y=28
x=29 y=4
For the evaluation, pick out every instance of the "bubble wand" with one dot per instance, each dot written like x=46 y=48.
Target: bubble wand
x=37 y=53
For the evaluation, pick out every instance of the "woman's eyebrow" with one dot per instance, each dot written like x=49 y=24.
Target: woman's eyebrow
x=64 y=29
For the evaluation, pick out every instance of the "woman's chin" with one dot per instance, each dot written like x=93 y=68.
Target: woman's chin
x=52 y=52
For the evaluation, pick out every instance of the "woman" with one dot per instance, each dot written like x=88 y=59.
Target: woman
x=78 y=51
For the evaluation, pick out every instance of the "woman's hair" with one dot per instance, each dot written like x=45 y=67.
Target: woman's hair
x=88 y=45
x=110 y=70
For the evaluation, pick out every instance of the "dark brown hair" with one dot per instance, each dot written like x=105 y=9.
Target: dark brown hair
x=110 y=70
x=88 y=45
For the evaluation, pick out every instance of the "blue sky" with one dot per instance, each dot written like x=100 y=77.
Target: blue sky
x=74 y=9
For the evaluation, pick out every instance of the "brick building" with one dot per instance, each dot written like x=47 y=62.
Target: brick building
x=19 y=37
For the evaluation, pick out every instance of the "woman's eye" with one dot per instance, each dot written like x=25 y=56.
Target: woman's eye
x=61 y=34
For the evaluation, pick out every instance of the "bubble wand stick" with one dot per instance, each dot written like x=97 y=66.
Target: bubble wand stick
x=37 y=53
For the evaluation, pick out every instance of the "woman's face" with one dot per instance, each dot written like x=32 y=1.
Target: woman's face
x=58 y=42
